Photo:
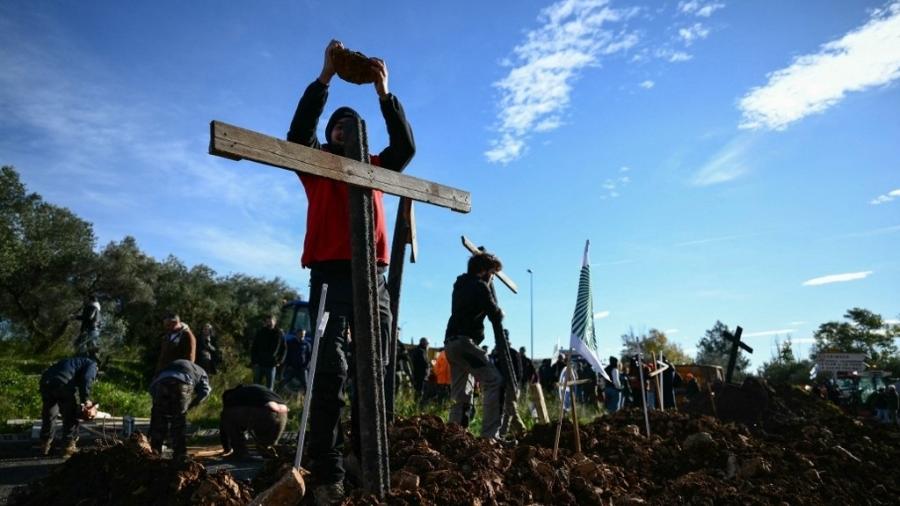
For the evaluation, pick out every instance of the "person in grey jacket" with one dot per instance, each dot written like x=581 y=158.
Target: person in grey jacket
x=176 y=388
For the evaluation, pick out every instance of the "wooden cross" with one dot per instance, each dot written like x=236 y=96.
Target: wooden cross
x=237 y=143
x=404 y=233
x=736 y=343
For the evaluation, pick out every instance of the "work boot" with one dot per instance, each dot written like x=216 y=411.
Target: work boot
x=46 y=444
x=71 y=448
x=328 y=495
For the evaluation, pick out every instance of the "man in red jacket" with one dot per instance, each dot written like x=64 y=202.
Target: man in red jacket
x=326 y=252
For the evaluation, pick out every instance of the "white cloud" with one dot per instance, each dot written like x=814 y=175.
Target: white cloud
x=887 y=197
x=670 y=332
x=803 y=340
x=866 y=57
x=763 y=333
x=698 y=8
x=692 y=33
x=673 y=56
x=797 y=323
x=728 y=164
x=892 y=322
x=837 y=278
x=258 y=252
x=573 y=36
x=599 y=315
x=614 y=185
x=647 y=84
x=711 y=239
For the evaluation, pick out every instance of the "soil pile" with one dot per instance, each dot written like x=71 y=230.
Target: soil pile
x=802 y=451
x=128 y=472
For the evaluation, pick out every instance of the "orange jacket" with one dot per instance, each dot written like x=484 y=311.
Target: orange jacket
x=442 y=369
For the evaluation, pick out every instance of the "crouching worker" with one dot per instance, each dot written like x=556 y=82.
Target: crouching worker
x=252 y=408
x=176 y=388
x=58 y=387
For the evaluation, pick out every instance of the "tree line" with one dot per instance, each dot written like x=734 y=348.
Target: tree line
x=863 y=331
x=50 y=263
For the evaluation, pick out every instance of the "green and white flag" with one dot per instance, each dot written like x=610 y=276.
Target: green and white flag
x=583 y=340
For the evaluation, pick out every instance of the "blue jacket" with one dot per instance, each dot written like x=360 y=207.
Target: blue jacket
x=188 y=373
x=76 y=372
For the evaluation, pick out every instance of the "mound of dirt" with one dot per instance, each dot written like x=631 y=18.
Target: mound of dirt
x=802 y=451
x=799 y=450
x=128 y=472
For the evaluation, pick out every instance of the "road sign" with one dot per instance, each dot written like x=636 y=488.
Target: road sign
x=841 y=362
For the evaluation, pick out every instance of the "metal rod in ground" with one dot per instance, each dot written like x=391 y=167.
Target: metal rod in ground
x=562 y=413
x=640 y=366
x=321 y=322
x=572 y=395
x=658 y=382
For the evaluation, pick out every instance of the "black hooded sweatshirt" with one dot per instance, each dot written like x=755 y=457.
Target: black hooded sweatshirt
x=473 y=300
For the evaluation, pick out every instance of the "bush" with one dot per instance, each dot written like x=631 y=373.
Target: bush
x=19 y=390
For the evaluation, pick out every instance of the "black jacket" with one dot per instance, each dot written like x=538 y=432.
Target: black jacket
x=473 y=300
x=419 y=359
x=77 y=372
x=249 y=395
x=395 y=157
x=268 y=348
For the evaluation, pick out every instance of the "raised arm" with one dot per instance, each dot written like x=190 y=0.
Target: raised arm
x=312 y=104
x=401 y=145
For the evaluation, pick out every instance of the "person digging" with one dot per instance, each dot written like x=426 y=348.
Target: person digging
x=58 y=387
x=177 y=388
x=252 y=408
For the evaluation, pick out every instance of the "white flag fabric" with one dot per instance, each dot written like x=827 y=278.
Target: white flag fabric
x=583 y=341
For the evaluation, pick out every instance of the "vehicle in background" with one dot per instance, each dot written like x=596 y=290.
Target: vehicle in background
x=294 y=318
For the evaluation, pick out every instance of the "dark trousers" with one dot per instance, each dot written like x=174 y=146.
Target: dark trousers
x=418 y=385
x=326 y=439
x=171 y=399
x=58 y=399
x=265 y=425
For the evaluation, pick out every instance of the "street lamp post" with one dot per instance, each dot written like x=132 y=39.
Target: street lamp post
x=531 y=294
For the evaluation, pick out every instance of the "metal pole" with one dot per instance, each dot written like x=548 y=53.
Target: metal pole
x=531 y=294
x=321 y=322
x=640 y=366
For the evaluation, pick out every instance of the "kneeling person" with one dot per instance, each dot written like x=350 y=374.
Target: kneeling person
x=176 y=388
x=254 y=408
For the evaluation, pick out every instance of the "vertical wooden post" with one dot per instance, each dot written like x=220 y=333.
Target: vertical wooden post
x=402 y=236
x=366 y=329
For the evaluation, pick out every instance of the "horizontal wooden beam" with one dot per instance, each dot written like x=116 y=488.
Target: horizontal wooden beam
x=237 y=143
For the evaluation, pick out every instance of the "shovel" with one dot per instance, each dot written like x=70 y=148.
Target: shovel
x=290 y=489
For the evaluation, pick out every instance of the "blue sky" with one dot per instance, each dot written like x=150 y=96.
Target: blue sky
x=732 y=161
